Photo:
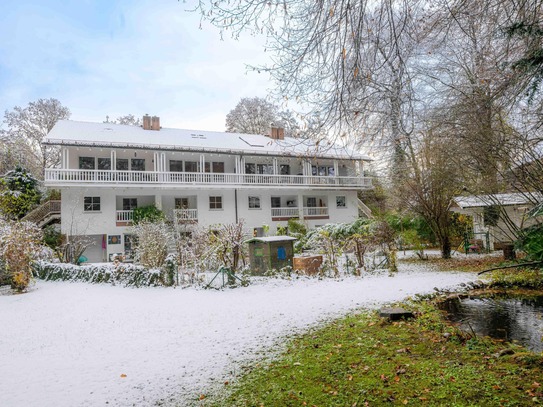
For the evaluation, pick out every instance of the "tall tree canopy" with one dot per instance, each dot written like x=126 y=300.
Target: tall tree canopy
x=256 y=116
x=25 y=129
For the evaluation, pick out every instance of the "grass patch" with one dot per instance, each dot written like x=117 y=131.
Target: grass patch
x=362 y=360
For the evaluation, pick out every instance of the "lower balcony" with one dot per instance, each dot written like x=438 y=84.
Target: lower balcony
x=181 y=216
x=283 y=214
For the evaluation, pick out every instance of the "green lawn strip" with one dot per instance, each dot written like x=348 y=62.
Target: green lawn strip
x=362 y=360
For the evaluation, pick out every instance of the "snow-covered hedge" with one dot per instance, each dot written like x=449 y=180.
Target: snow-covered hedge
x=128 y=275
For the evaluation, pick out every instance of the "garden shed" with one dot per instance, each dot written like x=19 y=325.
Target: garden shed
x=269 y=253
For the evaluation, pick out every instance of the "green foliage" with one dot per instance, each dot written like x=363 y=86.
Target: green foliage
x=404 y=223
x=298 y=230
x=149 y=213
x=52 y=237
x=517 y=278
x=531 y=241
x=491 y=215
x=53 y=195
x=282 y=230
x=363 y=360
x=19 y=193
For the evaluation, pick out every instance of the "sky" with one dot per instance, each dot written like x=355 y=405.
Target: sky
x=118 y=57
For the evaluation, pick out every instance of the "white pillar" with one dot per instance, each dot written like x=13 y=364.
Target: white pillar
x=158 y=201
x=113 y=160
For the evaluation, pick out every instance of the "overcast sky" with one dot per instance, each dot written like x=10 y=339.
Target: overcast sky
x=114 y=57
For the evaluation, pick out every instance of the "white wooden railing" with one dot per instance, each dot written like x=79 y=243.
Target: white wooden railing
x=125 y=216
x=294 y=212
x=321 y=211
x=65 y=176
x=186 y=215
x=291 y=212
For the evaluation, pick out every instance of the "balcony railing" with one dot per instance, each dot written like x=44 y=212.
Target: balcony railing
x=291 y=212
x=125 y=216
x=321 y=211
x=186 y=215
x=96 y=177
x=285 y=213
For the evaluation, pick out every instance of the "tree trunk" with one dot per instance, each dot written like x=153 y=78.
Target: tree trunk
x=445 y=247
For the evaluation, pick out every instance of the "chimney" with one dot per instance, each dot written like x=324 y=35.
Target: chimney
x=155 y=123
x=277 y=133
x=146 y=122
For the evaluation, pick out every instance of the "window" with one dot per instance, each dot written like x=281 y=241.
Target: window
x=104 y=164
x=323 y=171
x=284 y=169
x=181 y=203
x=176 y=166
x=275 y=202
x=91 y=204
x=215 y=202
x=218 y=167
x=341 y=202
x=137 y=164
x=130 y=204
x=122 y=164
x=86 y=163
x=191 y=166
x=254 y=202
x=264 y=169
x=250 y=169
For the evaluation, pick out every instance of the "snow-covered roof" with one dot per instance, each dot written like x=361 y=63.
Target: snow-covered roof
x=267 y=239
x=514 y=198
x=75 y=133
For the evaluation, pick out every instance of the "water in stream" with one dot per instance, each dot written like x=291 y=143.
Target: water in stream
x=512 y=318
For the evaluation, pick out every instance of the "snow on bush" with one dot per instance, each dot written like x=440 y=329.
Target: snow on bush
x=128 y=275
x=152 y=240
x=20 y=245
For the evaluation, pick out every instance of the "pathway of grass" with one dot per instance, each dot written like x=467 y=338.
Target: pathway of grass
x=363 y=361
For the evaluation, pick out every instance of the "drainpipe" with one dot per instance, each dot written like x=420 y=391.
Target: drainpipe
x=236 y=203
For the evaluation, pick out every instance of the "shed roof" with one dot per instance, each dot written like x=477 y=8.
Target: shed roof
x=268 y=239
x=505 y=199
x=77 y=133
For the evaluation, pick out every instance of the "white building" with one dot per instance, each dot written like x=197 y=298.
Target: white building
x=197 y=177
x=510 y=210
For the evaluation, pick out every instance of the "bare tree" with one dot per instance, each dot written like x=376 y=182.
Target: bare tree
x=128 y=119
x=434 y=178
x=26 y=128
x=252 y=116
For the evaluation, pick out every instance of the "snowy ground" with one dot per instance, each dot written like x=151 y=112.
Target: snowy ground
x=71 y=344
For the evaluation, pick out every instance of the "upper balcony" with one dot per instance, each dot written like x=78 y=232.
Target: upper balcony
x=97 y=178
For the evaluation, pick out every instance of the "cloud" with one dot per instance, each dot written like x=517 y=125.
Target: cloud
x=143 y=57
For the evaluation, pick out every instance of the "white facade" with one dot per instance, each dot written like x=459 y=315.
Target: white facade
x=202 y=178
x=513 y=214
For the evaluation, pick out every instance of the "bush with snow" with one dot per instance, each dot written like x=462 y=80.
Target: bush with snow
x=20 y=245
x=128 y=275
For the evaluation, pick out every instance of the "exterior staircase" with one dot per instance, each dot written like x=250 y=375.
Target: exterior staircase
x=44 y=214
x=363 y=210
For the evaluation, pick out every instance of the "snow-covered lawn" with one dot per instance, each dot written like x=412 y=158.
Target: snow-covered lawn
x=76 y=344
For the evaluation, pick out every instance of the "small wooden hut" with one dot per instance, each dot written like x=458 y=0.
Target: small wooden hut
x=269 y=253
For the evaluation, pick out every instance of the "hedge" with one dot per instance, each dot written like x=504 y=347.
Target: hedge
x=128 y=275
